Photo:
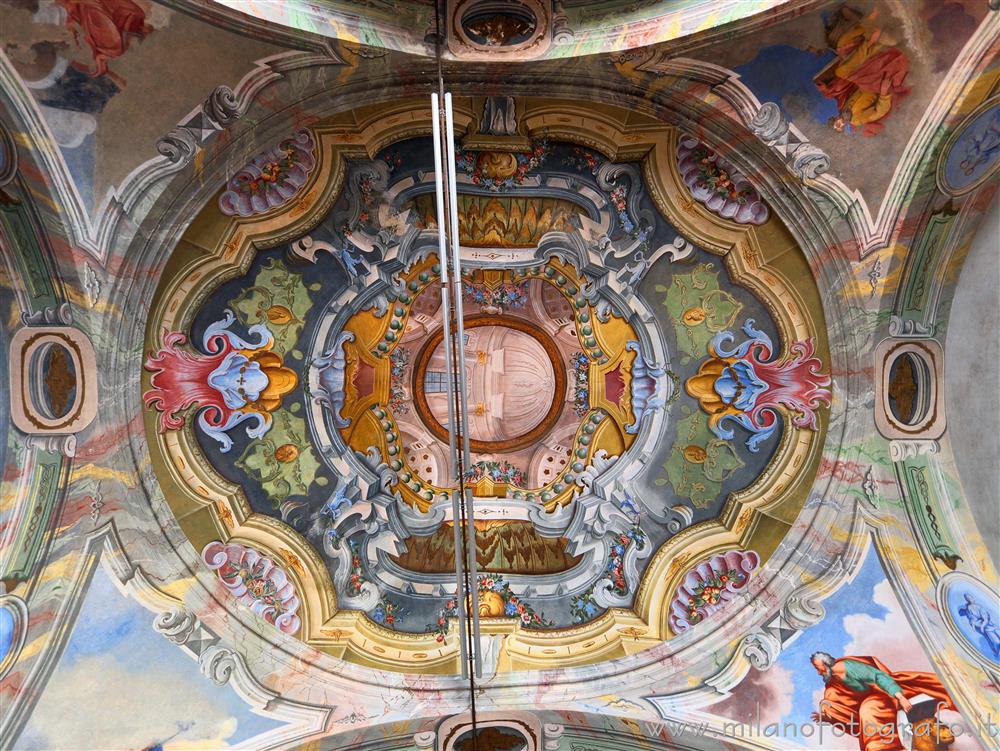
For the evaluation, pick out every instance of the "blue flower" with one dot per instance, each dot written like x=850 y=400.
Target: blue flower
x=378 y=614
x=619 y=549
x=510 y=609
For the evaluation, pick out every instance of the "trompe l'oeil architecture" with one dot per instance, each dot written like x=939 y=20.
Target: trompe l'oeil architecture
x=524 y=375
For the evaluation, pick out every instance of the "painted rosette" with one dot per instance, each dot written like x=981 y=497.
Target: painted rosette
x=257 y=582
x=709 y=586
x=716 y=183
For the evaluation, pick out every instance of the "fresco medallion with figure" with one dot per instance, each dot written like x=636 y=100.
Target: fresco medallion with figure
x=646 y=394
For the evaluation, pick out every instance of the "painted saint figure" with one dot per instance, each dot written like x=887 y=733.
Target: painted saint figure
x=867 y=77
x=862 y=697
x=982 y=147
x=981 y=622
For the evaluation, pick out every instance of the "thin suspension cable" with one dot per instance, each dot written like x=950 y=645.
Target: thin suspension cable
x=468 y=509
x=437 y=115
x=467 y=590
x=457 y=390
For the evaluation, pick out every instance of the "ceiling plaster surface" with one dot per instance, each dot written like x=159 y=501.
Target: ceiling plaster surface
x=869 y=553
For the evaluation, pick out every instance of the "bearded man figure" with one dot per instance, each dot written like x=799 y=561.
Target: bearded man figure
x=862 y=697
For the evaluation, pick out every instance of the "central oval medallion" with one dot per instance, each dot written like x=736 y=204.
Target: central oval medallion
x=516 y=383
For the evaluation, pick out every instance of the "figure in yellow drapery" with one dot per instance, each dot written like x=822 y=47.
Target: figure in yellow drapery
x=867 y=77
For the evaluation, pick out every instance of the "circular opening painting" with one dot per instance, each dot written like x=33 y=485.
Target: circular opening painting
x=492 y=737
x=494 y=24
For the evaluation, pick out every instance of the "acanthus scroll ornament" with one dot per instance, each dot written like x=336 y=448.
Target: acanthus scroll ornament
x=176 y=624
x=806 y=161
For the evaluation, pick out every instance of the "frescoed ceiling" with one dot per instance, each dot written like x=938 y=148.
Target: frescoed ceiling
x=596 y=426
x=718 y=371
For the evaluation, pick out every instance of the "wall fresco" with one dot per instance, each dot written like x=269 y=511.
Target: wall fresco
x=864 y=626
x=607 y=622
x=92 y=67
x=857 y=77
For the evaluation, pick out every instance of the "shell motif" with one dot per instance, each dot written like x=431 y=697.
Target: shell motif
x=716 y=183
x=271 y=178
x=709 y=586
x=257 y=582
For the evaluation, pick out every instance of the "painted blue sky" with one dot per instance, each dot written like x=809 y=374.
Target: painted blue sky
x=784 y=75
x=857 y=598
x=105 y=691
x=863 y=618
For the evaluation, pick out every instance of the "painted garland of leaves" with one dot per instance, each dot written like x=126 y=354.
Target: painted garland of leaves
x=507 y=296
x=709 y=592
x=717 y=178
x=513 y=607
x=581 y=383
x=356 y=578
x=388 y=613
x=398 y=401
x=501 y=471
x=526 y=161
x=585 y=607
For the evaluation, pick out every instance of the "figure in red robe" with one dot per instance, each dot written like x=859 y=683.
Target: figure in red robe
x=867 y=78
x=862 y=697
x=107 y=27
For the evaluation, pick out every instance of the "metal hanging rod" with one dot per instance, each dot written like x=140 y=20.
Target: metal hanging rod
x=453 y=329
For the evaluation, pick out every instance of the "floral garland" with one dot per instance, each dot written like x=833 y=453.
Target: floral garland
x=617 y=197
x=393 y=159
x=581 y=383
x=365 y=191
x=366 y=195
x=501 y=471
x=584 y=607
x=584 y=160
x=398 y=402
x=508 y=295
x=709 y=592
x=710 y=585
x=512 y=607
x=271 y=178
x=256 y=582
x=356 y=578
x=718 y=184
x=718 y=179
x=440 y=628
x=387 y=613
x=526 y=161
x=616 y=560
